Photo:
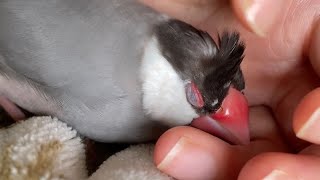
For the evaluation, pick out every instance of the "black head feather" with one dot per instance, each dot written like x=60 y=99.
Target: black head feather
x=197 y=58
x=226 y=70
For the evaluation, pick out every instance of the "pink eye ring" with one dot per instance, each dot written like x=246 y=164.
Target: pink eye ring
x=193 y=94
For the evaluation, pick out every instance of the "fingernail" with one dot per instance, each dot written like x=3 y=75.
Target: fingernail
x=187 y=160
x=310 y=129
x=170 y=157
x=261 y=14
x=279 y=175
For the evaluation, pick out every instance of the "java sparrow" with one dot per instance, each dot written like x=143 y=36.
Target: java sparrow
x=118 y=71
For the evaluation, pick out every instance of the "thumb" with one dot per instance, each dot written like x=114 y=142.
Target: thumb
x=257 y=16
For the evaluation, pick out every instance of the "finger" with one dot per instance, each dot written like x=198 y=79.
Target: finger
x=192 y=11
x=272 y=166
x=311 y=150
x=301 y=79
x=314 y=53
x=188 y=153
x=306 y=122
x=284 y=166
x=285 y=107
x=259 y=15
x=307 y=114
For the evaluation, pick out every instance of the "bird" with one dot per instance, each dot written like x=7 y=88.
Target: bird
x=119 y=71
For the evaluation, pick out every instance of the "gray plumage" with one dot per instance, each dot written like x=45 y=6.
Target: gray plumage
x=81 y=57
x=79 y=60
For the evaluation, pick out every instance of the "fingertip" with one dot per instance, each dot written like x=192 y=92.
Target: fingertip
x=270 y=166
x=306 y=117
x=259 y=16
x=171 y=137
x=188 y=153
x=267 y=166
x=254 y=165
x=238 y=10
x=166 y=142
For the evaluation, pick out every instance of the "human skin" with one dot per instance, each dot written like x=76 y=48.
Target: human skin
x=281 y=68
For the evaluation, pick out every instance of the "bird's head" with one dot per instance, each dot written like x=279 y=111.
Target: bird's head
x=203 y=75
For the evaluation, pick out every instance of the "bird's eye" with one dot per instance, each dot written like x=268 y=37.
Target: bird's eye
x=193 y=94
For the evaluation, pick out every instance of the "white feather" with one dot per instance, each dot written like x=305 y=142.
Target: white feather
x=164 y=97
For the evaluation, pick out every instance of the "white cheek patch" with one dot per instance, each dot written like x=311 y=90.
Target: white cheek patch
x=164 y=96
x=226 y=85
x=215 y=102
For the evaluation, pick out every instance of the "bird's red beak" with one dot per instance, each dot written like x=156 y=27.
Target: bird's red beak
x=230 y=122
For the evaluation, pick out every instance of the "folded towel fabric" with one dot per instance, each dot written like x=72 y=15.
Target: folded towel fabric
x=133 y=163
x=41 y=148
x=44 y=148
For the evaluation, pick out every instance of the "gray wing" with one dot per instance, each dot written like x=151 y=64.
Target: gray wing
x=85 y=56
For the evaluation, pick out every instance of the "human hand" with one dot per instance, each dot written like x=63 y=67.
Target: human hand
x=281 y=66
